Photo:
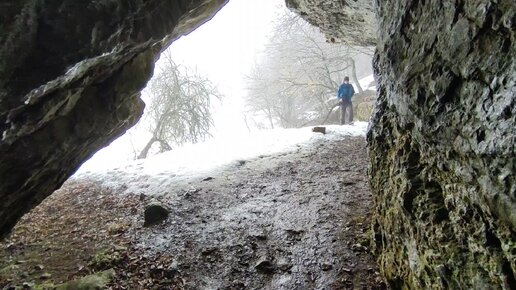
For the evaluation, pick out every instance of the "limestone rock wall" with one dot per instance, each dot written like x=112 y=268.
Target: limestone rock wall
x=70 y=76
x=442 y=144
x=349 y=21
x=442 y=139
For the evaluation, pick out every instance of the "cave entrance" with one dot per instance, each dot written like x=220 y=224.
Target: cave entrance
x=223 y=181
x=255 y=66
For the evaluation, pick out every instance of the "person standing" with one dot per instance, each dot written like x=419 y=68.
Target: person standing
x=346 y=91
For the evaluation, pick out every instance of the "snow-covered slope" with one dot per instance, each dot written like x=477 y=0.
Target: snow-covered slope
x=201 y=160
x=367 y=83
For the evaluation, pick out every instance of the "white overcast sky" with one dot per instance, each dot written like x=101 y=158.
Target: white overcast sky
x=224 y=49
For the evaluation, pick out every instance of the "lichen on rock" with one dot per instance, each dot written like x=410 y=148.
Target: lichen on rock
x=91 y=282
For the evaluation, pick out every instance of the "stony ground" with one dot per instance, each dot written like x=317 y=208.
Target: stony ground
x=296 y=220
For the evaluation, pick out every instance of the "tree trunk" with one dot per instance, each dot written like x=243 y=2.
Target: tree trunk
x=271 y=121
x=146 y=149
x=354 y=75
x=164 y=146
x=329 y=113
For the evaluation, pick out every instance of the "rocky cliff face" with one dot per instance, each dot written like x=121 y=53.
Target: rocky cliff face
x=443 y=144
x=442 y=140
x=70 y=77
x=351 y=22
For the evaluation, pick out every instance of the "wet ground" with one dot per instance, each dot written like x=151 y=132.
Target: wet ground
x=296 y=220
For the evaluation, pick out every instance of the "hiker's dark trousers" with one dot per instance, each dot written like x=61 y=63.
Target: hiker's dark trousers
x=346 y=105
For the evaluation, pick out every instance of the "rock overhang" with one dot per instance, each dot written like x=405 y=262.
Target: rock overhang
x=70 y=78
x=351 y=22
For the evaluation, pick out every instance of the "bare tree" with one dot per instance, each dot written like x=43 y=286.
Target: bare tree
x=353 y=70
x=295 y=82
x=179 y=109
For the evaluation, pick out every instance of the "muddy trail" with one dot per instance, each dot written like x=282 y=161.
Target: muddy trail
x=296 y=220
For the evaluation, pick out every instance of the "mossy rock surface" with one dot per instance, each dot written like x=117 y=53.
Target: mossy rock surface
x=91 y=282
x=442 y=145
x=364 y=110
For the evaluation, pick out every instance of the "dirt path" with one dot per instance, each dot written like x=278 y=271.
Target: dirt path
x=296 y=220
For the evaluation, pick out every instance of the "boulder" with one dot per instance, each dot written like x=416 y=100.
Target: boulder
x=319 y=130
x=364 y=110
x=155 y=212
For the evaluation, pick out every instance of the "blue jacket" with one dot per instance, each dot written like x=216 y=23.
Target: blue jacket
x=346 y=91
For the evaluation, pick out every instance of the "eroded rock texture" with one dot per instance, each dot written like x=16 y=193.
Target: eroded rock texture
x=443 y=144
x=70 y=76
x=349 y=21
x=443 y=139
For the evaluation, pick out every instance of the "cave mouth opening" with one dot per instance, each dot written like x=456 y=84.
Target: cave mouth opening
x=70 y=219
x=429 y=99
x=229 y=55
x=73 y=80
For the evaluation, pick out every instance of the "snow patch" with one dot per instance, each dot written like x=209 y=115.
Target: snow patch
x=159 y=172
x=367 y=83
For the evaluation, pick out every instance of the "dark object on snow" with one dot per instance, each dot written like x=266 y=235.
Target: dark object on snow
x=155 y=212
x=207 y=178
x=319 y=130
